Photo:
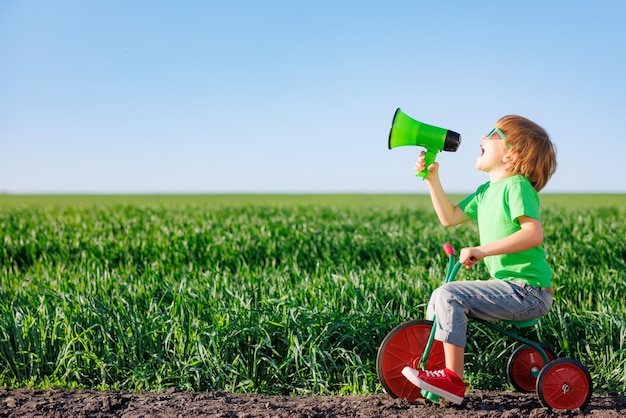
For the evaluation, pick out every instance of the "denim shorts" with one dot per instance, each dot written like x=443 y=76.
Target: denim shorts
x=491 y=300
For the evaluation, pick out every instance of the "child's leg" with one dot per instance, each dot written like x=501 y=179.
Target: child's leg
x=490 y=300
x=454 y=358
x=452 y=303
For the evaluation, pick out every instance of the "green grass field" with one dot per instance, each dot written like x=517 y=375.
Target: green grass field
x=288 y=294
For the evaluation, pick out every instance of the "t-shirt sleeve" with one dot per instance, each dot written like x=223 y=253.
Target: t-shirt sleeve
x=469 y=205
x=523 y=201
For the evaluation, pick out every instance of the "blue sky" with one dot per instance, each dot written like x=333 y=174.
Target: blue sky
x=291 y=96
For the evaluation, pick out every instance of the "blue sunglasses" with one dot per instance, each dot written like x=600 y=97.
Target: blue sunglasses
x=495 y=131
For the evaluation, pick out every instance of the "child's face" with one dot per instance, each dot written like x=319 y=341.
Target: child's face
x=493 y=151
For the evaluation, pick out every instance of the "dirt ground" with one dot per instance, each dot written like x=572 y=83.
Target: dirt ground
x=94 y=404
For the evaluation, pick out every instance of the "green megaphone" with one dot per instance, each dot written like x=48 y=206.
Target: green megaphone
x=408 y=131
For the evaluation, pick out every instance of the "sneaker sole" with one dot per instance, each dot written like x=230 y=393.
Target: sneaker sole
x=411 y=376
x=458 y=400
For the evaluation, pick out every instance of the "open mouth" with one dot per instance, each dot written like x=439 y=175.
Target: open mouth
x=482 y=150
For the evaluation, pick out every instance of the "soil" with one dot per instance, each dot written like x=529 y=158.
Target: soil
x=95 y=404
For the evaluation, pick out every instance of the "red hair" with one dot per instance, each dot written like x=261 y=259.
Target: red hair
x=536 y=154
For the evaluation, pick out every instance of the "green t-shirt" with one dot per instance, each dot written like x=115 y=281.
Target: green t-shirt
x=497 y=206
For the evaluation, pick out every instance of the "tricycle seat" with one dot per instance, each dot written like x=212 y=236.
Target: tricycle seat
x=524 y=324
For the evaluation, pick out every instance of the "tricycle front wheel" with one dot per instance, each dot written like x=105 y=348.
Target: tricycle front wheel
x=404 y=346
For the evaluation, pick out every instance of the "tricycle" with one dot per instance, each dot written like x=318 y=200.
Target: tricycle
x=560 y=383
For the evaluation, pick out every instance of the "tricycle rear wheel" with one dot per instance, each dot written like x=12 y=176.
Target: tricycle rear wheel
x=564 y=384
x=524 y=365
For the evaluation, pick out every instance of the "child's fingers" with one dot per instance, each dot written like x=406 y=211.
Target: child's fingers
x=420 y=164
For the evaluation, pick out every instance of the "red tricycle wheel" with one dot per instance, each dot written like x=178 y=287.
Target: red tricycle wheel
x=525 y=361
x=564 y=384
x=404 y=346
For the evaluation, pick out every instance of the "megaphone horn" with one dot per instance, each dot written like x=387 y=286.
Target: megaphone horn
x=408 y=131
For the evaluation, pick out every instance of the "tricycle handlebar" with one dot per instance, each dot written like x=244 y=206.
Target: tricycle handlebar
x=448 y=249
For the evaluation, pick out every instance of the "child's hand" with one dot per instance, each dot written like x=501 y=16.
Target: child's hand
x=433 y=169
x=470 y=256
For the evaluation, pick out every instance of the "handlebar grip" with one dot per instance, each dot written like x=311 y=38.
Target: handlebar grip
x=449 y=249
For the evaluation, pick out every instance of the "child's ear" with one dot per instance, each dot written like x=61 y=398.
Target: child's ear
x=510 y=157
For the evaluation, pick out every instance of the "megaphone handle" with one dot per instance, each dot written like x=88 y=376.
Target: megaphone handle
x=429 y=158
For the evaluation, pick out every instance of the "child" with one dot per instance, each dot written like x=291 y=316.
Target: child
x=519 y=157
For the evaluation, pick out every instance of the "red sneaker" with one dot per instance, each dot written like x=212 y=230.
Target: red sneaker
x=444 y=383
